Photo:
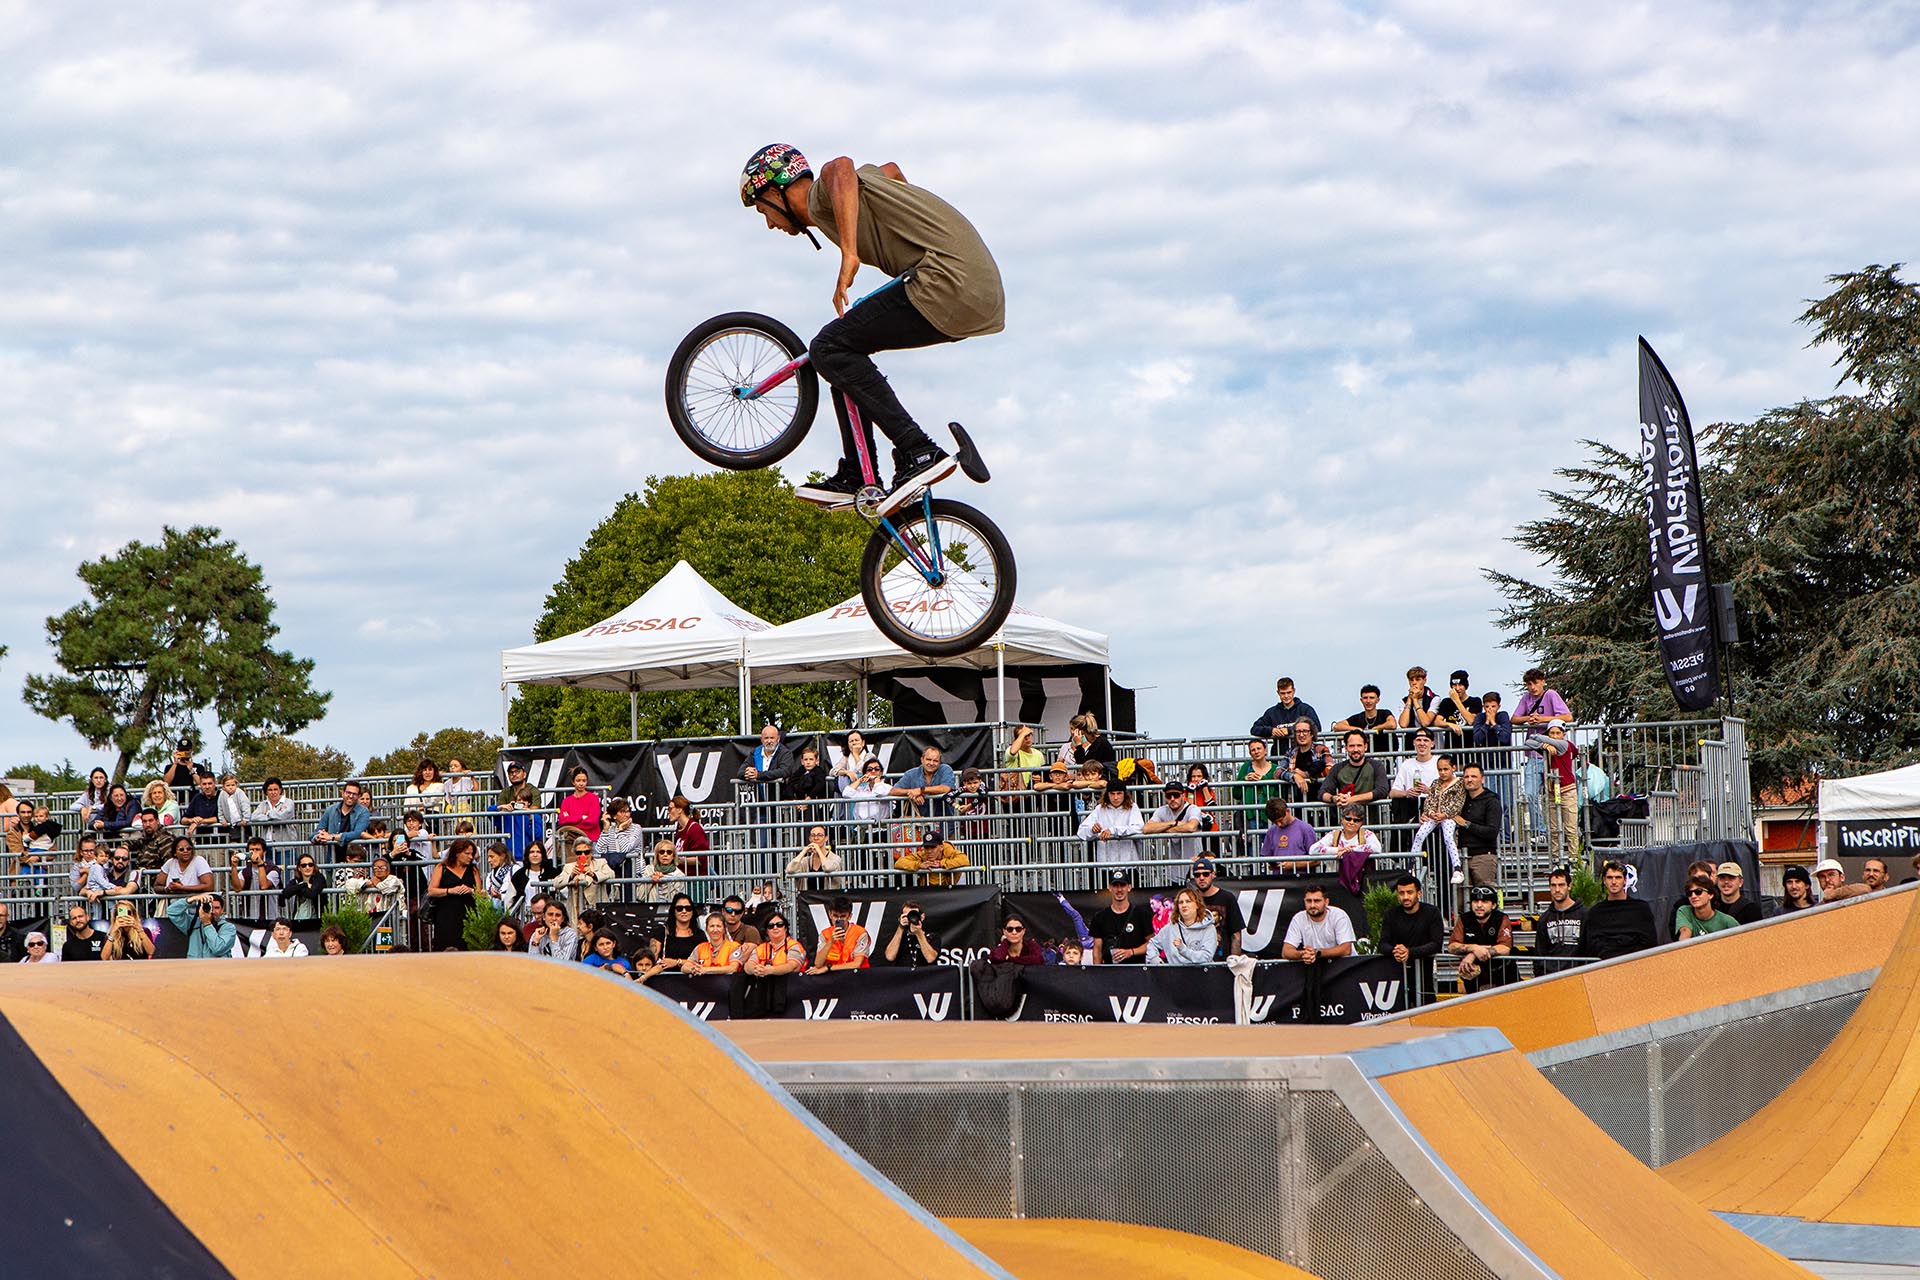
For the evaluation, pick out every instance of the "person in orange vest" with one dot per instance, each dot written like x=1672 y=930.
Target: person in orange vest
x=760 y=986
x=717 y=953
x=843 y=944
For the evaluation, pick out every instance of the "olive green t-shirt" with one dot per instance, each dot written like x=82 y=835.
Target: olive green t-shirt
x=957 y=284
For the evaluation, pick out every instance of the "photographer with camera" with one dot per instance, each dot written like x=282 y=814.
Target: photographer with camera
x=911 y=945
x=210 y=935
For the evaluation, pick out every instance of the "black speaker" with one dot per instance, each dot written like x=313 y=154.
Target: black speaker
x=1723 y=613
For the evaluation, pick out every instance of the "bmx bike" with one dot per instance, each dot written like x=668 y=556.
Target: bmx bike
x=937 y=576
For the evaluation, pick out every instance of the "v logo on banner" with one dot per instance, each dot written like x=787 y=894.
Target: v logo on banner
x=935 y=1007
x=1129 y=1008
x=1673 y=611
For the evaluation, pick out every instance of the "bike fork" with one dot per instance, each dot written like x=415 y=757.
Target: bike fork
x=929 y=566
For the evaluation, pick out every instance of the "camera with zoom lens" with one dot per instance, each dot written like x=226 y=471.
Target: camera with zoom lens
x=914 y=917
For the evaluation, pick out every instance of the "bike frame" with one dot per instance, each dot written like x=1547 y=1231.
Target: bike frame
x=933 y=568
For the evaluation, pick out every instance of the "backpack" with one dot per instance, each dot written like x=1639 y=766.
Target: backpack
x=996 y=987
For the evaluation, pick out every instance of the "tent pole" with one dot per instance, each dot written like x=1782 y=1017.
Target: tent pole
x=506 y=698
x=746 y=698
x=1000 y=686
x=633 y=715
x=1106 y=687
x=863 y=693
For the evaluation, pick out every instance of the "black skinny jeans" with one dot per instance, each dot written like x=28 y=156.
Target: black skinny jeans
x=888 y=321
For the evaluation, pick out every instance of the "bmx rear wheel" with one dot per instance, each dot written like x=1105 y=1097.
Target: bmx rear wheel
x=708 y=374
x=974 y=571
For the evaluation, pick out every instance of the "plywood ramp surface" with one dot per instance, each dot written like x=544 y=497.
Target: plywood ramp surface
x=1729 y=967
x=1044 y=1248
x=1841 y=1143
x=1580 y=1202
x=377 y=1116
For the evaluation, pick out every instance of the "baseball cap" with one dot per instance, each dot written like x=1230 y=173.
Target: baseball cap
x=1120 y=877
x=932 y=838
x=1828 y=864
x=1203 y=864
x=1796 y=872
x=1174 y=786
x=1483 y=893
x=1459 y=677
x=1556 y=724
x=1728 y=869
x=1423 y=733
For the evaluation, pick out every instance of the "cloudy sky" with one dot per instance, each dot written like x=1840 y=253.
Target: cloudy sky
x=1305 y=301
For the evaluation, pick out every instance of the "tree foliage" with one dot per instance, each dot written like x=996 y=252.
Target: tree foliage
x=747 y=534
x=1812 y=511
x=290 y=758
x=168 y=631
x=473 y=748
x=68 y=777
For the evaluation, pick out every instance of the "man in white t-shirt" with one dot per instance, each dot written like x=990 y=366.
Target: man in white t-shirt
x=1179 y=814
x=1411 y=782
x=1318 y=934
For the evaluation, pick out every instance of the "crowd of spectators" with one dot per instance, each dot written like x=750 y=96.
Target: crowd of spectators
x=1454 y=791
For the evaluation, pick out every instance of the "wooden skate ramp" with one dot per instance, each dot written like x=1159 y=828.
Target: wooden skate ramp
x=1566 y=1191
x=376 y=1116
x=1042 y=1248
x=1740 y=964
x=1842 y=1143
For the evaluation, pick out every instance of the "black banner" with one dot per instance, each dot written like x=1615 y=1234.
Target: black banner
x=1357 y=989
x=931 y=994
x=1267 y=904
x=1046 y=695
x=964 y=922
x=1676 y=539
x=649 y=774
x=1876 y=837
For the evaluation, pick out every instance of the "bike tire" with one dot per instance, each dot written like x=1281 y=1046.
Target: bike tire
x=739 y=349
x=963 y=613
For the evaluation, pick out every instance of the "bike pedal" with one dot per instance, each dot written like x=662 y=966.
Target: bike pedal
x=867 y=501
x=971 y=464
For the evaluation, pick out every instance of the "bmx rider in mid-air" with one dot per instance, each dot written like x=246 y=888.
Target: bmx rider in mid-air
x=952 y=291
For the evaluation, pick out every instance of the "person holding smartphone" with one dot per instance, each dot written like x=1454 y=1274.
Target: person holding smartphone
x=843 y=944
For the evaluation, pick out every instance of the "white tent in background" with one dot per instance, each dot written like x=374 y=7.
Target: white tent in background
x=1894 y=793
x=842 y=643
x=682 y=634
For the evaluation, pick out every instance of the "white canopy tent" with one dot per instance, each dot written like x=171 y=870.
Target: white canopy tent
x=1892 y=794
x=682 y=634
x=842 y=643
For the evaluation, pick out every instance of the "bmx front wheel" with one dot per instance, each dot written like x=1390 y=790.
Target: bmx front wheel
x=709 y=377
x=942 y=582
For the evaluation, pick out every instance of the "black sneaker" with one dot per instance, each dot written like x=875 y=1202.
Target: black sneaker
x=914 y=471
x=837 y=490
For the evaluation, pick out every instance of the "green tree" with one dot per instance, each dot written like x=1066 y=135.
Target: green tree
x=46 y=780
x=171 y=630
x=751 y=538
x=1811 y=511
x=290 y=758
x=473 y=748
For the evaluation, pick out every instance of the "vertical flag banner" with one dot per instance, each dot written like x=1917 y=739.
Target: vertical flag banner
x=1676 y=539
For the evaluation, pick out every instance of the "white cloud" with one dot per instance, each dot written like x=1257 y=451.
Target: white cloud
x=1305 y=303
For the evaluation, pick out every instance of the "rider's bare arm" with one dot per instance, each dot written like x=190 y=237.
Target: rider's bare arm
x=892 y=170
x=843 y=193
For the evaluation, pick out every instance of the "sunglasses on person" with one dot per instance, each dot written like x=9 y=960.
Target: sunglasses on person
x=776 y=924
x=36 y=943
x=1015 y=928
x=682 y=907
x=1697 y=893
x=1203 y=875
x=732 y=911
